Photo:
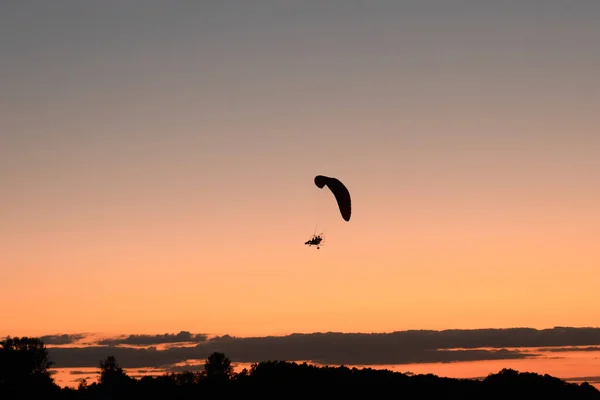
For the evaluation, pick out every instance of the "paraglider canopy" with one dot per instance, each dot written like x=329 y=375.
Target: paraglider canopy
x=340 y=192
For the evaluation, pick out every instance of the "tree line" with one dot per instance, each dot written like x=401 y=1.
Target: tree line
x=25 y=372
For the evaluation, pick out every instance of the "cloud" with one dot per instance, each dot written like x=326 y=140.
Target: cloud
x=61 y=339
x=406 y=347
x=185 y=368
x=565 y=349
x=145 y=340
x=64 y=339
x=365 y=349
x=588 y=379
x=127 y=357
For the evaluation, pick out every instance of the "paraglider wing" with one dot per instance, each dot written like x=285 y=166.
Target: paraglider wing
x=341 y=193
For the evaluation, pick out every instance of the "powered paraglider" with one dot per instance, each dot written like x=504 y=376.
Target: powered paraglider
x=340 y=192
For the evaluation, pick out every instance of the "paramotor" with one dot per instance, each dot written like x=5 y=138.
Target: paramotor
x=340 y=192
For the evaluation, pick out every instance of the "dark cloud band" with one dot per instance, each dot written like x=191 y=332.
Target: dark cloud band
x=404 y=347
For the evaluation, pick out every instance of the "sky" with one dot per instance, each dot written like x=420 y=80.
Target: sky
x=157 y=163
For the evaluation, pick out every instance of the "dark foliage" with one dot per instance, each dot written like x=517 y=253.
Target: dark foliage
x=24 y=373
x=24 y=368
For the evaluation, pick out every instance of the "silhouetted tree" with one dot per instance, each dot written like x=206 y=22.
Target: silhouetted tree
x=24 y=365
x=186 y=378
x=217 y=368
x=242 y=376
x=111 y=371
x=83 y=384
x=112 y=377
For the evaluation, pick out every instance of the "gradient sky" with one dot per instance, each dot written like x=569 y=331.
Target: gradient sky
x=157 y=162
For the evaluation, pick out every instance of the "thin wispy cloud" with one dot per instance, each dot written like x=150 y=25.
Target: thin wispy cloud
x=62 y=339
x=147 y=340
x=566 y=349
x=588 y=379
x=79 y=372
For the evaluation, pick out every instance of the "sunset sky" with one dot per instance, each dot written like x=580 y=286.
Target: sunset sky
x=157 y=162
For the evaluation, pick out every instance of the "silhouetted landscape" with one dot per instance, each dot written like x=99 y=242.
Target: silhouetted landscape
x=25 y=365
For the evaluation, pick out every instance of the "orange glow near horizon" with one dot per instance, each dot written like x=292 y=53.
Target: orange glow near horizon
x=475 y=278
x=572 y=366
x=157 y=176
